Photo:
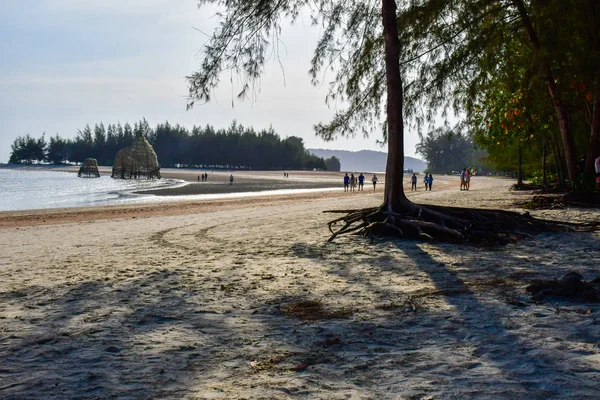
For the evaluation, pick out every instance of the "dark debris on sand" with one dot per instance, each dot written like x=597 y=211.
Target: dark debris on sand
x=570 y=286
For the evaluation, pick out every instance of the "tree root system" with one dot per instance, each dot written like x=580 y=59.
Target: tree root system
x=446 y=224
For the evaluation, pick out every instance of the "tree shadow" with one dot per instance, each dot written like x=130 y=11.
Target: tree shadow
x=96 y=339
x=463 y=332
x=159 y=336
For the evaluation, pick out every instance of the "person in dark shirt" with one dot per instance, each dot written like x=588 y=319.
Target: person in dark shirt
x=429 y=181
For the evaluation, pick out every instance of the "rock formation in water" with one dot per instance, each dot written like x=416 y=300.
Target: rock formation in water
x=89 y=169
x=136 y=161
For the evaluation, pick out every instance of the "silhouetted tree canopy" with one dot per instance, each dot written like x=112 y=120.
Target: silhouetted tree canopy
x=176 y=146
x=446 y=150
x=333 y=164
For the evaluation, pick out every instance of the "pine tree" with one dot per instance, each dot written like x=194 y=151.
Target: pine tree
x=359 y=37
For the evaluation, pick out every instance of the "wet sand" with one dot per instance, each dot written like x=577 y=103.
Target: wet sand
x=240 y=185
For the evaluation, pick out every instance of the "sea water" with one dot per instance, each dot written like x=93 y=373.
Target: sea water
x=22 y=189
x=29 y=189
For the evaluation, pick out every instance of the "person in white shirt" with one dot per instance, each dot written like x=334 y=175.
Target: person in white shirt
x=374 y=180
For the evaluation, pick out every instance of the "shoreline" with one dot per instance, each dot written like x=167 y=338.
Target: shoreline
x=191 y=175
x=187 y=187
x=218 y=181
x=179 y=205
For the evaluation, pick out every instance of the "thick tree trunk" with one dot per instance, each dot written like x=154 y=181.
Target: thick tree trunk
x=559 y=107
x=395 y=199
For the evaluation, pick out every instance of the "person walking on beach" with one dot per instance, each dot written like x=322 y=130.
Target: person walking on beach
x=429 y=180
x=352 y=182
x=462 y=179
x=413 y=182
x=231 y=179
x=361 y=181
x=205 y=176
x=374 y=180
x=346 y=182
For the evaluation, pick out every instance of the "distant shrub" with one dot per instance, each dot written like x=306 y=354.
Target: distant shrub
x=536 y=177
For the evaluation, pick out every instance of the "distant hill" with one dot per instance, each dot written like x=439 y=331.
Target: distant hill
x=367 y=160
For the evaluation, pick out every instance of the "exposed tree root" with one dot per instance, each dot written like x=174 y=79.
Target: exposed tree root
x=447 y=224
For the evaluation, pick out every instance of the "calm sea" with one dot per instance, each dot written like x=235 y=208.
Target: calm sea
x=30 y=189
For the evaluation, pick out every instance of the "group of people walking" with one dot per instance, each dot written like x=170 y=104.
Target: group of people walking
x=203 y=177
x=351 y=181
x=427 y=179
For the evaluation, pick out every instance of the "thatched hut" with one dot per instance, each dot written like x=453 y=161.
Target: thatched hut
x=136 y=161
x=89 y=169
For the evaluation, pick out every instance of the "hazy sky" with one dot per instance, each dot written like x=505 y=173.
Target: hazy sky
x=66 y=63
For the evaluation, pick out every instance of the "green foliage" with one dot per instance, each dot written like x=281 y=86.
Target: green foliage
x=234 y=147
x=58 y=150
x=26 y=150
x=536 y=178
x=175 y=146
x=447 y=150
x=350 y=47
x=333 y=164
x=472 y=57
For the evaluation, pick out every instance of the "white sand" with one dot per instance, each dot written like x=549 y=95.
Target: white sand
x=191 y=304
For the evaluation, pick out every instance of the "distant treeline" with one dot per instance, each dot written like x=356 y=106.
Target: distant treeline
x=235 y=147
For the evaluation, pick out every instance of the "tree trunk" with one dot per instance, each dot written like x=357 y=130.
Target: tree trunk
x=519 y=164
x=559 y=161
x=400 y=217
x=394 y=196
x=559 y=107
x=592 y=153
x=544 y=168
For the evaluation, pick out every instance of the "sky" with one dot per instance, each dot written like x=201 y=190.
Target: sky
x=68 y=63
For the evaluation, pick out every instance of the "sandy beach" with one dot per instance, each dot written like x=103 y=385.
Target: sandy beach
x=244 y=299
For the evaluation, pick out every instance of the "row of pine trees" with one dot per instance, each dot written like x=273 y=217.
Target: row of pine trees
x=176 y=146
